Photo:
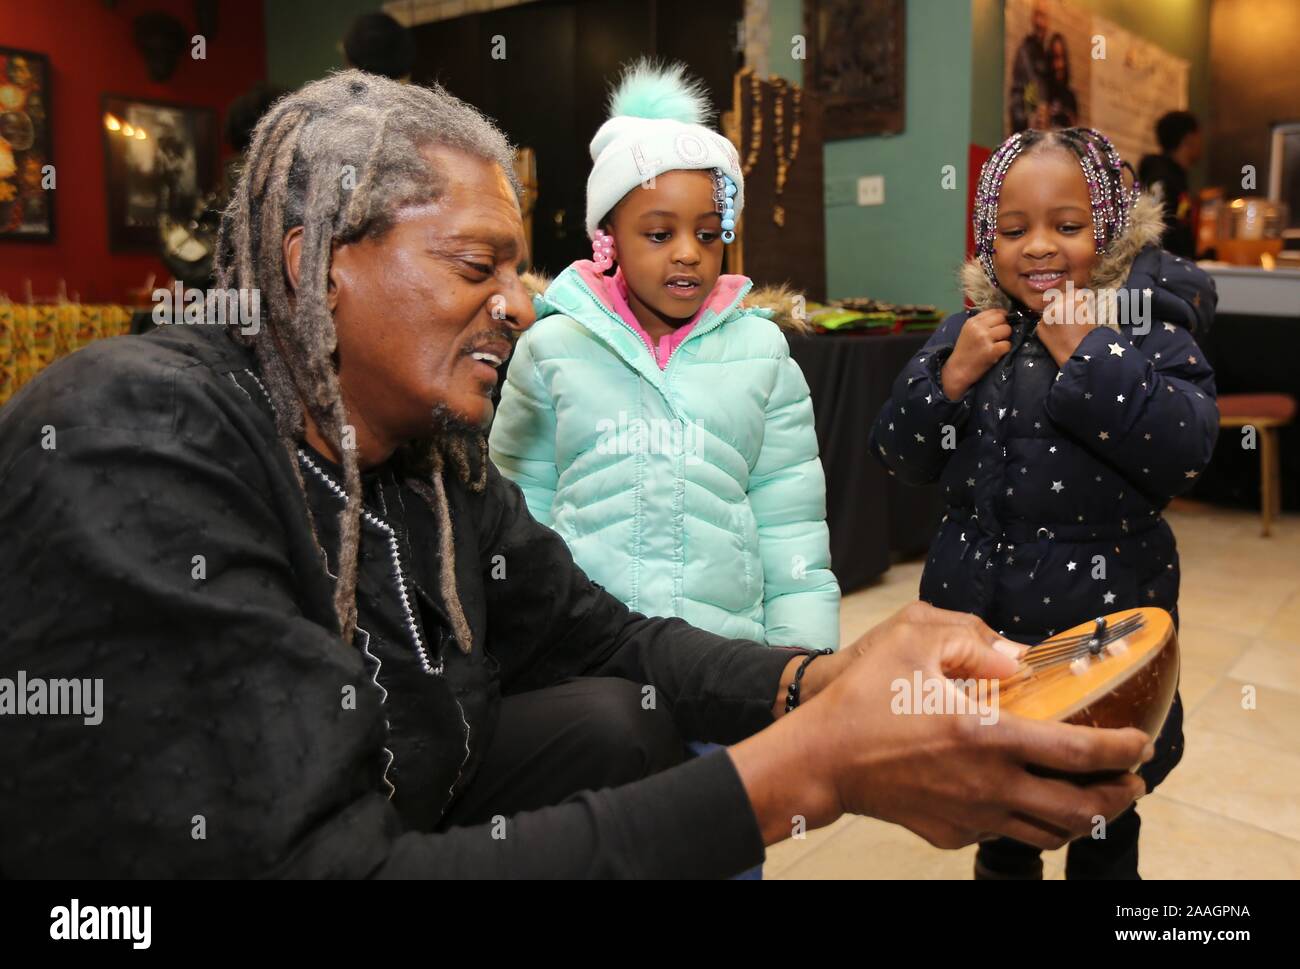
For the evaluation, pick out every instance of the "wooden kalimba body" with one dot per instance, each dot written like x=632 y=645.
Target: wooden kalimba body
x=1121 y=670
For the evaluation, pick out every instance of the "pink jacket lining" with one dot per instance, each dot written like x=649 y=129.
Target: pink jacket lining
x=612 y=291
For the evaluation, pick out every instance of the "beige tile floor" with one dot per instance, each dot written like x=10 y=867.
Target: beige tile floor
x=1231 y=809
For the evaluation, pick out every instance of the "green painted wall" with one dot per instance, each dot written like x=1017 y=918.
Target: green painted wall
x=786 y=19
x=908 y=249
x=304 y=37
x=987 y=65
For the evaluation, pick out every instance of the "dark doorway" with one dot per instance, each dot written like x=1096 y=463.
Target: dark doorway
x=549 y=79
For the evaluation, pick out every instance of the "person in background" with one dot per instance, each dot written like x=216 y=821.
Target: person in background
x=1179 y=134
x=378 y=44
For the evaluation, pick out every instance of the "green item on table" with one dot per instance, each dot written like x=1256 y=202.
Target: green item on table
x=834 y=319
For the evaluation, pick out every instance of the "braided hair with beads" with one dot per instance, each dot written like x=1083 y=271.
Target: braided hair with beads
x=1111 y=200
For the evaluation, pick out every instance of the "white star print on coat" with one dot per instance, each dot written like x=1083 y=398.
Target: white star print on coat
x=1082 y=443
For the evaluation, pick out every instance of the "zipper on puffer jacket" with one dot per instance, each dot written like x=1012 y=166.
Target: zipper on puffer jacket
x=717 y=320
x=968 y=542
x=1041 y=548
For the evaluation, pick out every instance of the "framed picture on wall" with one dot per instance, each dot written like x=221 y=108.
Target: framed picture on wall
x=26 y=147
x=856 y=65
x=158 y=158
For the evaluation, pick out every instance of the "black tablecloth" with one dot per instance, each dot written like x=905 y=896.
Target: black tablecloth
x=872 y=517
x=1252 y=355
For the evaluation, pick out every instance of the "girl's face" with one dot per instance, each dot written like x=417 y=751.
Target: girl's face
x=1044 y=227
x=668 y=242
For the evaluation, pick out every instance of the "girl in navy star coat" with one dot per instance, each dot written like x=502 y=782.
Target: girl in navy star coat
x=1060 y=423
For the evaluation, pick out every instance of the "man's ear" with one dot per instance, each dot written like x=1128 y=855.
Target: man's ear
x=292 y=259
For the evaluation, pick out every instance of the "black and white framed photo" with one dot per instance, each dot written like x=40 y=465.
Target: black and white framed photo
x=159 y=158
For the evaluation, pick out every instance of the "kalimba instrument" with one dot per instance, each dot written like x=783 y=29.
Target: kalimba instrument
x=1120 y=670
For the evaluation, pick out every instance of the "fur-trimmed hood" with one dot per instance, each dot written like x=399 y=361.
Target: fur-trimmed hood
x=781 y=304
x=1146 y=224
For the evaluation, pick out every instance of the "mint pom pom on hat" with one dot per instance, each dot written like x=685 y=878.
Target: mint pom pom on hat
x=658 y=122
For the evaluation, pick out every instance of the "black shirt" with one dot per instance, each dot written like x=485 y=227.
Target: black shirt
x=163 y=544
x=1179 y=236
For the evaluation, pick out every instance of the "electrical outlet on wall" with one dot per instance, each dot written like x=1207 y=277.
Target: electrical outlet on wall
x=871 y=190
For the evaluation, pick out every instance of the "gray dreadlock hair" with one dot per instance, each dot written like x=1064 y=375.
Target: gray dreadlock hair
x=340 y=157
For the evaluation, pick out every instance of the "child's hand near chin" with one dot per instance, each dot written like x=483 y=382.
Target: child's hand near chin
x=1064 y=325
x=984 y=340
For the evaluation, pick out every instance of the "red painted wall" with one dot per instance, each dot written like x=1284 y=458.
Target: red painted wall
x=92 y=53
x=976 y=156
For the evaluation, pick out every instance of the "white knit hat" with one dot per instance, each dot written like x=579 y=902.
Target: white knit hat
x=657 y=123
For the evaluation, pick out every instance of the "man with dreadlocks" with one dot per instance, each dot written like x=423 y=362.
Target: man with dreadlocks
x=330 y=638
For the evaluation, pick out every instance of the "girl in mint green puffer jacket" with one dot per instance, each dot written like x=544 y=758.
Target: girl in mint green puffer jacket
x=651 y=417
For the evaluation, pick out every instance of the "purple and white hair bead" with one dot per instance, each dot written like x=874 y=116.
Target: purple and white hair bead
x=1103 y=170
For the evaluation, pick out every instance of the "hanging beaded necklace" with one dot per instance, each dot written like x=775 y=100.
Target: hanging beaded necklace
x=783 y=160
x=755 y=122
x=783 y=163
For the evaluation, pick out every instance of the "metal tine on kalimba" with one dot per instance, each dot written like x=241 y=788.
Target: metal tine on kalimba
x=1077 y=645
x=1098 y=639
x=1072 y=647
x=1081 y=646
x=1108 y=634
